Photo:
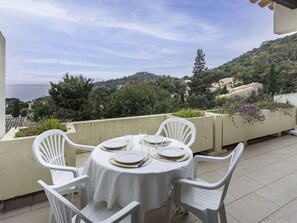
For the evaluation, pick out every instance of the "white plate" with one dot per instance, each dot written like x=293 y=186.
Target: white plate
x=154 y=139
x=171 y=152
x=129 y=157
x=114 y=144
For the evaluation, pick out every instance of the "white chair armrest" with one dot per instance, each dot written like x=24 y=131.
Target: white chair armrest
x=80 y=146
x=63 y=168
x=203 y=185
x=124 y=212
x=85 y=186
x=212 y=159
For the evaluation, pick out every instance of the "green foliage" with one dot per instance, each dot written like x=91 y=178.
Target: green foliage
x=141 y=99
x=255 y=65
x=189 y=113
x=41 y=127
x=70 y=98
x=250 y=109
x=16 y=109
x=42 y=109
x=24 y=112
x=200 y=95
x=272 y=86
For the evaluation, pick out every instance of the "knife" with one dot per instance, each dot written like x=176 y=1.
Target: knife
x=140 y=164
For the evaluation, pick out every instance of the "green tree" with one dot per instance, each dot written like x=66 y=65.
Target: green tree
x=272 y=86
x=140 y=99
x=16 y=109
x=70 y=98
x=24 y=112
x=42 y=110
x=200 y=83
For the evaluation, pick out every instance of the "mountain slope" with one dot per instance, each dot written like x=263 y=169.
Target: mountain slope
x=255 y=64
x=133 y=79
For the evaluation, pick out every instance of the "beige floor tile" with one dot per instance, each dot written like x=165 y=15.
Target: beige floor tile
x=15 y=212
x=265 y=175
x=210 y=177
x=204 y=167
x=251 y=208
x=286 y=214
x=81 y=159
x=267 y=220
x=158 y=216
x=239 y=171
x=264 y=159
x=242 y=186
x=281 y=191
x=38 y=216
x=230 y=219
x=284 y=166
x=291 y=150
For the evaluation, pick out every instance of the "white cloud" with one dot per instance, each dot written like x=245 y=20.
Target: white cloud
x=65 y=62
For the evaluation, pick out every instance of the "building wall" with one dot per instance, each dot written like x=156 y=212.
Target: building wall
x=2 y=85
x=290 y=98
x=284 y=19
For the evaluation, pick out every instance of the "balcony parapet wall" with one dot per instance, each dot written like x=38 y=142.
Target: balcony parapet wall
x=19 y=172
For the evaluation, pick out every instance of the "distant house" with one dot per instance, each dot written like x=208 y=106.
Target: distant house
x=243 y=90
x=230 y=82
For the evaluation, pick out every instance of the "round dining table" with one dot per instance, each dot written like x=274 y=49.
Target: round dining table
x=149 y=184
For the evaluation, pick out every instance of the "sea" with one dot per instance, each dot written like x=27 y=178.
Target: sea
x=26 y=92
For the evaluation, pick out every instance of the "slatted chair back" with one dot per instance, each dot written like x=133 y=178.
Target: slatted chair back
x=179 y=129
x=62 y=209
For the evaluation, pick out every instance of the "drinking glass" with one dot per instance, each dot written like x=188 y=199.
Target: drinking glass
x=142 y=134
x=145 y=149
x=129 y=140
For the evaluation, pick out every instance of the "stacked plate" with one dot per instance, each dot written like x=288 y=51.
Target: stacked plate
x=171 y=152
x=129 y=157
x=114 y=144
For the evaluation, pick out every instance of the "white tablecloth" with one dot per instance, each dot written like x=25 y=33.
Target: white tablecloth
x=149 y=185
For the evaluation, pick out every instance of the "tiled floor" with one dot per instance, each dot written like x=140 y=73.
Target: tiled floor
x=263 y=188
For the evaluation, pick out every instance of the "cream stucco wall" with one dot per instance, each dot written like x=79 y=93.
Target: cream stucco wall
x=285 y=19
x=2 y=85
x=96 y=131
x=19 y=172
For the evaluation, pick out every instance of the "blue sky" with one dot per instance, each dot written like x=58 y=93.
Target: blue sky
x=104 y=39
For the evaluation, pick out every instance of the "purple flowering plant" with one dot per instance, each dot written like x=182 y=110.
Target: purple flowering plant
x=252 y=112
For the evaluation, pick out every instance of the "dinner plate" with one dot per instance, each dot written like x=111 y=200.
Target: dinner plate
x=154 y=139
x=114 y=144
x=129 y=157
x=171 y=152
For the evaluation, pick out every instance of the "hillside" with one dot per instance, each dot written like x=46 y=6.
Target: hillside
x=254 y=65
x=133 y=79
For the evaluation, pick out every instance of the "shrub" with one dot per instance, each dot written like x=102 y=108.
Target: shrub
x=189 y=113
x=41 y=127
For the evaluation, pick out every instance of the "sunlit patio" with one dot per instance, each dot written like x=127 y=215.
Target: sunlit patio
x=263 y=188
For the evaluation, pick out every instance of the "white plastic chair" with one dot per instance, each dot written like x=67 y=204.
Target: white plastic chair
x=204 y=199
x=48 y=151
x=91 y=211
x=179 y=129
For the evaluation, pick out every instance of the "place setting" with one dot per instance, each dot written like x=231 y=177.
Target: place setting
x=156 y=141
x=116 y=145
x=170 y=154
x=130 y=159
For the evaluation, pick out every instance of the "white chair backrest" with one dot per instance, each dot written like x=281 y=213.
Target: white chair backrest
x=234 y=159
x=48 y=148
x=179 y=129
x=62 y=209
